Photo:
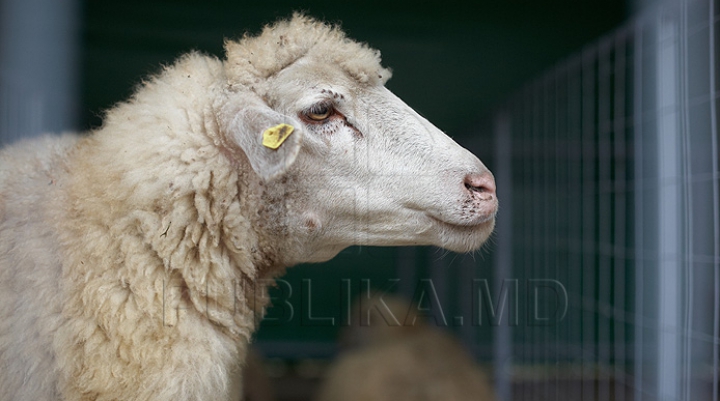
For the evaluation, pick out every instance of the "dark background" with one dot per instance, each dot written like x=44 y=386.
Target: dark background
x=452 y=60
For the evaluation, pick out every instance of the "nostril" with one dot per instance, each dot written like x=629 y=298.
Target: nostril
x=481 y=184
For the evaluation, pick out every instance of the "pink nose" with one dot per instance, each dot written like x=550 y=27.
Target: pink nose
x=481 y=185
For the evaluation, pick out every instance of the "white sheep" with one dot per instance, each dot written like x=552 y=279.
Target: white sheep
x=399 y=357
x=134 y=260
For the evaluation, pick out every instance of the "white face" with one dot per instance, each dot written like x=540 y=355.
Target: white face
x=370 y=171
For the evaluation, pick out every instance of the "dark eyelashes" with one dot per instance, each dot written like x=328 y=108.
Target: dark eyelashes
x=318 y=112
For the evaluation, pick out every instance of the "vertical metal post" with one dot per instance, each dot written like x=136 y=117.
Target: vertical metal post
x=621 y=263
x=406 y=265
x=502 y=333
x=661 y=226
x=588 y=245
x=716 y=199
x=639 y=238
x=669 y=218
x=39 y=46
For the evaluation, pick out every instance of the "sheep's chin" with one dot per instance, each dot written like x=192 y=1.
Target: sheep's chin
x=317 y=255
x=463 y=238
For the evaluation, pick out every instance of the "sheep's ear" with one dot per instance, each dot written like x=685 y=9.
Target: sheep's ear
x=270 y=140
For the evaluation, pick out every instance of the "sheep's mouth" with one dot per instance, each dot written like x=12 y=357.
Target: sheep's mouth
x=463 y=237
x=473 y=213
x=479 y=222
x=465 y=226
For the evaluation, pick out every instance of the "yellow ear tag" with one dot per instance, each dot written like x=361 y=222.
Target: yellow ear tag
x=273 y=137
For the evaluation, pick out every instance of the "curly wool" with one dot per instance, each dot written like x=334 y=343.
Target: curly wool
x=134 y=261
x=154 y=246
x=254 y=59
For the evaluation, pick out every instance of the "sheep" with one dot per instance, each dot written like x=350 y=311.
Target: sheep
x=135 y=260
x=401 y=357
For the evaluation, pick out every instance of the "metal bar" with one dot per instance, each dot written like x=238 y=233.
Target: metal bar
x=639 y=221
x=406 y=268
x=620 y=223
x=439 y=280
x=574 y=189
x=561 y=198
x=686 y=212
x=588 y=210
x=716 y=200
x=604 y=212
x=670 y=225
x=464 y=297
x=502 y=333
x=39 y=78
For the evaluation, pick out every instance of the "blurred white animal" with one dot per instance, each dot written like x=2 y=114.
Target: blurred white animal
x=392 y=360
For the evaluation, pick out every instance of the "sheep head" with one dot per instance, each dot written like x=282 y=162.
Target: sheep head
x=360 y=167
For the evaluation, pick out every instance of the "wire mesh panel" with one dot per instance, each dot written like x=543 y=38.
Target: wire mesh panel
x=614 y=208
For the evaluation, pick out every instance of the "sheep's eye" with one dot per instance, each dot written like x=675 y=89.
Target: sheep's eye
x=319 y=112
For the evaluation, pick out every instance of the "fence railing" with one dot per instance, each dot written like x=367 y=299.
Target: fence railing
x=613 y=158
